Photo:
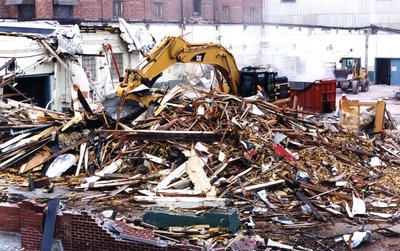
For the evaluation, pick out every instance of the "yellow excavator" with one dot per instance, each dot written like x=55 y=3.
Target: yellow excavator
x=135 y=88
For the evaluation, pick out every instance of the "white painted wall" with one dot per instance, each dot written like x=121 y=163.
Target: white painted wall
x=336 y=13
x=299 y=53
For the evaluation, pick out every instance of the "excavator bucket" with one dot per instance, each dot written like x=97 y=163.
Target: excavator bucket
x=129 y=109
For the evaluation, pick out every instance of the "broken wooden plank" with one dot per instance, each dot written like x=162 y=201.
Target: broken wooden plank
x=260 y=186
x=196 y=173
x=39 y=157
x=306 y=201
x=180 y=193
x=180 y=202
x=153 y=135
x=178 y=172
x=323 y=190
x=379 y=117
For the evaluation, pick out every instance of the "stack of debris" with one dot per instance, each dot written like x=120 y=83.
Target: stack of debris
x=269 y=171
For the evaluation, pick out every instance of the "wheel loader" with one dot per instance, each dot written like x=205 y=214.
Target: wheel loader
x=351 y=76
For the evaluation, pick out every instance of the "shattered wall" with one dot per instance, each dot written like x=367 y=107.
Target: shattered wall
x=77 y=231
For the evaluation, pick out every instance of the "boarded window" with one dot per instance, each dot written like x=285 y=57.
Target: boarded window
x=120 y=64
x=196 y=7
x=118 y=7
x=63 y=11
x=226 y=13
x=26 y=12
x=90 y=63
x=158 y=10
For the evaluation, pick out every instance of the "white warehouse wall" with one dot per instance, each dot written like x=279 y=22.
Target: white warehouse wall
x=337 y=13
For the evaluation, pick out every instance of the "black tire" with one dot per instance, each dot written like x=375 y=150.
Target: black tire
x=365 y=85
x=354 y=87
x=343 y=87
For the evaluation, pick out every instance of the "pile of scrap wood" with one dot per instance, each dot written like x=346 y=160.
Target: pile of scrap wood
x=281 y=170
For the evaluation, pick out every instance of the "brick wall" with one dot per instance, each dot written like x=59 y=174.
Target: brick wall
x=77 y=231
x=143 y=10
x=134 y=10
x=89 y=9
x=44 y=9
x=9 y=217
x=8 y=11
x=171 y=9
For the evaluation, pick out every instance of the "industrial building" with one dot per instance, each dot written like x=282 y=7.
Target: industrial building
x=199 y=125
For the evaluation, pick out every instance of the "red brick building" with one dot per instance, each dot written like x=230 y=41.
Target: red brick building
x=105 y=11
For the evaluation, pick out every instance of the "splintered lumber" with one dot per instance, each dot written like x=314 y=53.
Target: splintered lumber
x=177 y=90
x=111 y=168
x=14 y=140
x=306 y=201
x=323 y=190
x=112 y=183
x=180 y=193
x=160 y=135
x=178 y=172
x=54 y=155
x=35 y=160
x=35 y=108
x=62 y=63
x=82 y=150
x=156 y=159
x=179 y=202
x=196 y=173
x=379 y=117
x=260 y=186
x=361 y=152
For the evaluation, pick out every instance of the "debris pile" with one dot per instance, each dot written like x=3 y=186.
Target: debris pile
x=275 y=176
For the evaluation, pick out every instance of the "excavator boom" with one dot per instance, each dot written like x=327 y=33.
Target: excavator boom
x=135 y=87
x=172 y=50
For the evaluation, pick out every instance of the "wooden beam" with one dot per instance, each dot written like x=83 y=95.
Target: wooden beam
x=306 y=201
x=180 y=202
x=198 y=176
x=260 y=186
x=379 y=117
x=52 y=52
x=168 y=135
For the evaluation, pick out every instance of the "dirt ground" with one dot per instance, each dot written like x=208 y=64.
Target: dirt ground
x=375 y=93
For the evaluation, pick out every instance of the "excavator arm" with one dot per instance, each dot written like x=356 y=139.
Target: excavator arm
x=170 y=51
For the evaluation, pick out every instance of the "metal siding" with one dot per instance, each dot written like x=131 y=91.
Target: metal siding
x=340 y=13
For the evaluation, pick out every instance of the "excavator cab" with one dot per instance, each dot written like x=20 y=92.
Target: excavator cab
x=274 y=88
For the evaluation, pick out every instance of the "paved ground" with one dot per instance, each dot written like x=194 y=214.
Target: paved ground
x=375 y=93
